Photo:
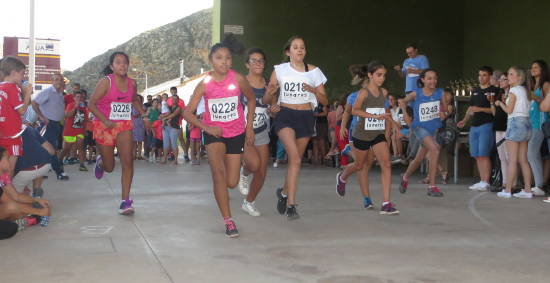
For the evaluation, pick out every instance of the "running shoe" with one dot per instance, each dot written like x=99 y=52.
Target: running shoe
x=44 y=221
x=250 y=208
x=186 y=157
x=389 y=209
x=475 y=186
x=346 y=149
x=367 y=203
x=83 y=168
x=482 y=186
x=62 y=176
x=504 y=194
x=98 y=167
x=523 y=194
x=404 y=184
x=340 y=185
x=231 y=229
x=291 y=213
x=538 y=192
x=243 y=184
x=547 y=200
x=126 y=207
x=395 y=160
x=434 y=191
x=37 y=193
x=281 y=201
x=21 y=223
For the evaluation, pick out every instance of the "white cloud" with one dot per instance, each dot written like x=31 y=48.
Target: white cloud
x=88 y=28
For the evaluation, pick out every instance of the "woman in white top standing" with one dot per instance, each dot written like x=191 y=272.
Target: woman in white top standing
x=518 y=132
x=301 y=88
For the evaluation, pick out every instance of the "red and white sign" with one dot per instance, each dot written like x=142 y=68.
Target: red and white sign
x=48 y=59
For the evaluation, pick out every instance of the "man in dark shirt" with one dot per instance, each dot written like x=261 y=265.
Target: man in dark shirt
x=482 y=136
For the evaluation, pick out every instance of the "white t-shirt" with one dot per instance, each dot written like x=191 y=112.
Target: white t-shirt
x=521 y=109
x=164 y=107
x=291 y=84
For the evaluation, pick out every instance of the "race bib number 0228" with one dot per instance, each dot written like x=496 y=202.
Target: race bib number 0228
x=372 y=124
x=120 y=111
x=223 y=109
x=429 y=111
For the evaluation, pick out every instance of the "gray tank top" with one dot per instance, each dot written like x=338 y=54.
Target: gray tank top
x=367 y=129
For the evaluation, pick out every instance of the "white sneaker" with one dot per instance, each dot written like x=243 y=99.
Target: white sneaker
x=503 y=194
x=275 y=164
x=243 y=184
x=475 y=186
x=537 y=192
x=547 y=200
x=523 y=194
x=482 y=186
x=250 y=208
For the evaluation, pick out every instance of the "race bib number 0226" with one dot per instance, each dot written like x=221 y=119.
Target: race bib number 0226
x=372 y=124
x=223 y=109
x=120 y=111
x=429 y=111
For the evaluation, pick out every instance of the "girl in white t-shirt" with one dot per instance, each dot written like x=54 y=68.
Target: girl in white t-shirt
x=518 y=132
x=301 y=88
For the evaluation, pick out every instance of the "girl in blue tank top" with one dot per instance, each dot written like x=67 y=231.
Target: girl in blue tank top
x=426 y=110
x=426 y=101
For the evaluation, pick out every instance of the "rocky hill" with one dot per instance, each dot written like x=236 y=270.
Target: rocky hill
x=158 y=52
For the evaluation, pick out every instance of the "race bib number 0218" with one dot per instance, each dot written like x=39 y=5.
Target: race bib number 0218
x=223 y=109
x=293 y=90
x=429 y=111
x=372 y=124
x=120 y=111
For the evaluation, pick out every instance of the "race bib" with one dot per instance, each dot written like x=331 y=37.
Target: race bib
x=223 y=109
x=402 y=120
x=121 y=111
x=260 y=117
x=293 y=90
x=429 y=111
x=372 y=124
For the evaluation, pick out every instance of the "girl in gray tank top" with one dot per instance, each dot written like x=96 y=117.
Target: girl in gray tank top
x=369 y=139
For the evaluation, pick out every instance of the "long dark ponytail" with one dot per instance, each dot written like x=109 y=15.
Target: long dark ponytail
x=107 y=70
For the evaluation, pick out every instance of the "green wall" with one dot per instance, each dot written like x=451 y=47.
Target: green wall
x=340 y=33
x=509 y=33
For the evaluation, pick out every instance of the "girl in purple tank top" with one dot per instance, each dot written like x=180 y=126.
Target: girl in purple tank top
x=112 y=103
x=224 y=126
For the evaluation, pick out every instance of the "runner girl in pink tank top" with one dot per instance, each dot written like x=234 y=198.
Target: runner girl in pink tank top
x=111 y=104
x=224 y=125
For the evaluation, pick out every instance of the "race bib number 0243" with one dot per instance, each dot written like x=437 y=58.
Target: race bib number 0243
x=429 y=111
x=120 y=111
x=293 y=90
x=372 y=124
x=223 y=109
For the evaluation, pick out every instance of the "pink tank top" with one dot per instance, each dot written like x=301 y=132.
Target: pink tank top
x=223 y=107
x=117 y=105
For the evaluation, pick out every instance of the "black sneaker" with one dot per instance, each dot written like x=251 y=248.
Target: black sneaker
x=186 y=158
x=291 y=213
x=37 y=193
x=231 y=230
x=62 y=176
x=281 y=202
x=495 y=189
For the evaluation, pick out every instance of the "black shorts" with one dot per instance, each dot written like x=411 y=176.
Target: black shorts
x=234 y=145
x=321 y=129
x=301 y=121
x=366 y=145
x=158 y=143
x=89 y=139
